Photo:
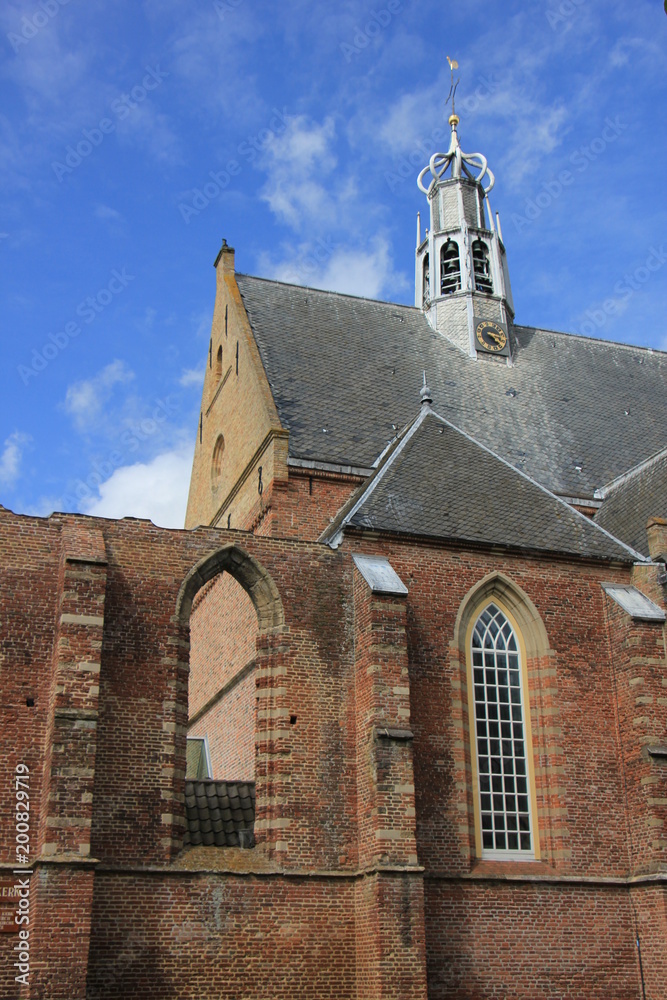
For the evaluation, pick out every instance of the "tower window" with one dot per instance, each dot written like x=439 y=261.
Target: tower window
x=218 y=364
x=500 y=736
x=426 y=280
x=216 y=464
x=450 y=268
x=482 y=267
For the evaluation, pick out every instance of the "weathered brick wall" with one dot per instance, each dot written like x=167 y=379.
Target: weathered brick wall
x=650 y=915
x=223 y=637
x=329 y=662
x=581 y=815
x=578 y=775
x=529 y=939
x=390 y=936
x=206 y=935
x=29 y=570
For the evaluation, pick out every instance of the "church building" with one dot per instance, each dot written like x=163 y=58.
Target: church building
x=388 y=718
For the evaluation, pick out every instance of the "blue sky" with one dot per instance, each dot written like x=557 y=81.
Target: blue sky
x=135 y=135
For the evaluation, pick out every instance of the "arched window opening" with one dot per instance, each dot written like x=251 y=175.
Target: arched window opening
x=501 y=742
x=216 y=461
x=225 y=603
x=450 y=268
x=426 y=282
x=221 y=684
x=482 y=267
x=218 y=364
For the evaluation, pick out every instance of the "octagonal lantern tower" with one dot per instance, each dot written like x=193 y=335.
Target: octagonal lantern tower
x=461 y=276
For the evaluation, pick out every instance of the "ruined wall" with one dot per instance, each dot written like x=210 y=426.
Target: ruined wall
x=329 y=902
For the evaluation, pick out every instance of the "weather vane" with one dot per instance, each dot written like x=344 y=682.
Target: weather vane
x=452 y=90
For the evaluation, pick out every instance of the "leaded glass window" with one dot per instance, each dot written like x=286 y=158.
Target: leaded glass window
x=500 y=736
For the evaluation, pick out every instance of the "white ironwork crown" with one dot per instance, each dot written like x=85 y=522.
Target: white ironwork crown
x=459 y=161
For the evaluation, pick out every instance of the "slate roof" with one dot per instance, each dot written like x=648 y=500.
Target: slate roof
x=438 y=482
x=629 y=504
x=220 y=813
x=344 y=369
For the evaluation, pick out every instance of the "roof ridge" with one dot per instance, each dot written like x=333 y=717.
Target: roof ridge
x=573 y=510
x=635 y=470
x=324 y=291
x=331 y=533
x=367 y=489
x=416 y=309
x=592 y=340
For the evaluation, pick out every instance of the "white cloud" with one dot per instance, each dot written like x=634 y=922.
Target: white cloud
x=157 y=490
x=10 y=459
x=150 y=129
x=84 y=400
x=192 y=378
x=367 y=271
x=296 y=163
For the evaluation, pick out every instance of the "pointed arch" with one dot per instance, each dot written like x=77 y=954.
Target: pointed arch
x=247 y=571
x=516 y=601
x=501 y=637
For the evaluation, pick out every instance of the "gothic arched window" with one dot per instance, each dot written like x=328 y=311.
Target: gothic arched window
x=482 y=267
x=450 y=268
x=501 y=740
x=426 y=279
x=218 y=364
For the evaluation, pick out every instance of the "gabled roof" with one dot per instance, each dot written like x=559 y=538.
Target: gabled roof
x=633 y=499
x=343 y=370
x=438 y=482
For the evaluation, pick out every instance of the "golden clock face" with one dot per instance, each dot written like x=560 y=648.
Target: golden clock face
x=490 y=336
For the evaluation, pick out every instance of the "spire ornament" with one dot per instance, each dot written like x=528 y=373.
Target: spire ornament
x=455 y=157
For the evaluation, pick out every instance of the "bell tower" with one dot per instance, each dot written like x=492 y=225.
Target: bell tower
x=461 y=276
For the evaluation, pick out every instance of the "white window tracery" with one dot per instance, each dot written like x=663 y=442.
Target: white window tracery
x=500 y=741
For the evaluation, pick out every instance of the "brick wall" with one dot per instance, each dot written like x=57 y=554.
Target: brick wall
x=205 y=935
x=321 y=910
x=552 y=942
x=223 y=636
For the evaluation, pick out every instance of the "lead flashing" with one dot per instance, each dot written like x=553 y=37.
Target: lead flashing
x=380 y=575
x=634 y=603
